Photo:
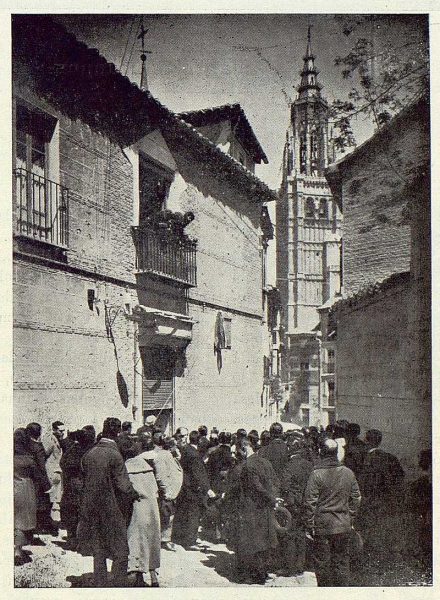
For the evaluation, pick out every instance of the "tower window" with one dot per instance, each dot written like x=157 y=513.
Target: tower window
x=310 y=208
x=323 y=209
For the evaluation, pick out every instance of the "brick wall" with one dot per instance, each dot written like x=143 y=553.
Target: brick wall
x=377 y=237
x=64 y=365
x=378 y=373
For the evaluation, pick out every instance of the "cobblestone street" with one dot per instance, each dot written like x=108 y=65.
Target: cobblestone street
x=52 y=565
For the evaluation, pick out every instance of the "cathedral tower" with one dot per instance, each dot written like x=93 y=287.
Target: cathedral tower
x=308 y=249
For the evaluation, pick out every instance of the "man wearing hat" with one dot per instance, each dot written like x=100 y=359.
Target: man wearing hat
x=148 y=425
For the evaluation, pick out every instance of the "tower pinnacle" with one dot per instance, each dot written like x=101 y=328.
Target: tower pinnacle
x=309 y=85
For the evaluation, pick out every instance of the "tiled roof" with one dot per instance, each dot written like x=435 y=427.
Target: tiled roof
x=371 y=291
x=236 y=114
x=83 y=85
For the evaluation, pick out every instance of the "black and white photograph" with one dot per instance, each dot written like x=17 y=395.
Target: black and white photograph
x=221 y=298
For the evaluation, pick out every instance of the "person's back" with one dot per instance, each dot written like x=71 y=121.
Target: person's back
x=276 y=452
x=382 y=474
x=331 y=488
x=332 y=499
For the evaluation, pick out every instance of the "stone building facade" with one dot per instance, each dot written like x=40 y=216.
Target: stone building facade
x=308 y=250
x=383 y=323
x=138 y=251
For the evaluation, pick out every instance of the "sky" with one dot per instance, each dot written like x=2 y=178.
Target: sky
x=199 y=61
x=204 y=60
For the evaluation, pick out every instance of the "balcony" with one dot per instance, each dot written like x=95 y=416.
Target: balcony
x=42 y=208
x=165 y=254
x=328 y=368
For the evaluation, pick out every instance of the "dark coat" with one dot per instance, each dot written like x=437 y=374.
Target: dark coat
x=381 y=481
x=295 y=478
x=72 y=477
x=355 y=453
x=219 y=463
x=277 y=453
x=195 y=476
x=332 y=498
x=38 y=453
x=102 y=523
x=260 y=487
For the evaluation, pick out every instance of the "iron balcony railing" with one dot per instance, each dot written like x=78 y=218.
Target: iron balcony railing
x=42 y=208
x=163 y=253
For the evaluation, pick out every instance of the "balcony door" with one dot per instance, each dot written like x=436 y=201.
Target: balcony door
x=159 y=364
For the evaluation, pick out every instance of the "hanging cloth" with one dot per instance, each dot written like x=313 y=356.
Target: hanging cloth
x=219 y=339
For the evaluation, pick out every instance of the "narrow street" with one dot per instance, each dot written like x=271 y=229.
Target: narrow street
x=51 y=565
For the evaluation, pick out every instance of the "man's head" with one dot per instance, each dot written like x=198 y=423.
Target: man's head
x=89 y=435
x=126 y=427
x=265 y=438
x=150 y=420
x=253 y=438
x=276 y=431
x=373 y=437
x=58 y=429
x=146 y=441
x=353 y=431
x=340 y=429
x=203 y=431
x=328 y=448
x=158 y=438
x=241 y=434
x=111 y=428
x=203 y=445
x=225 y=437
x=33 y=430
x=194 y=438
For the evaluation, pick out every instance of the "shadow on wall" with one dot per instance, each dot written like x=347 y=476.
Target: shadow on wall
x=204 y=180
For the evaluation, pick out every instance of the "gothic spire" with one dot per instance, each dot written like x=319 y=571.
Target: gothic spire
x=309 y=85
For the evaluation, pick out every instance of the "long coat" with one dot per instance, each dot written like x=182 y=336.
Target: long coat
x=144 y=529
x=38 y=453
x=26 y=476
x=294 y=481
x=259 y=486
x=277 y=453
x=102 y=523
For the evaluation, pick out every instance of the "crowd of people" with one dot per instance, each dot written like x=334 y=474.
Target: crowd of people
x=282 y=501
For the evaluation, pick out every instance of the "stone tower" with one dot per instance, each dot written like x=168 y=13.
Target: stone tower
x=308 y=249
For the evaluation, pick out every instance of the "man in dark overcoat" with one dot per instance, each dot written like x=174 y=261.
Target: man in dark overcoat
x=293 y=485
x=381 y=483
x=276 y=452
x=257 y=535
x=102 y=527
x=192 y=498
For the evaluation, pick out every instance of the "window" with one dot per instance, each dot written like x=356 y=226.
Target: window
x=154 y=187
x=42 y=204
x=310 y=208
x=323 y=209
x=331 y=393
x=227 y=322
